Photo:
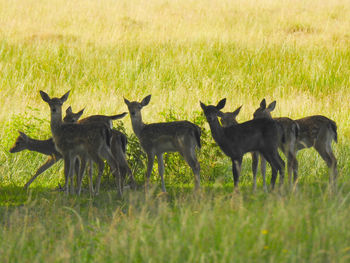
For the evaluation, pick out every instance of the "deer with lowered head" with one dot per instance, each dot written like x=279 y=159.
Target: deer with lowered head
x=157 y=138
x=118 y=142
x=82 y=141
x=236 y=140
x=47 y=147
x=314 y=131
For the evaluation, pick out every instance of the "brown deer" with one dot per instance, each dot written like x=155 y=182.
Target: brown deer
x=314 y=131
x=289 y=131
x=83 y=141
x=156 y=138
x=47 y=147
x=118 y=142
x=236 y=140
x=228 y=119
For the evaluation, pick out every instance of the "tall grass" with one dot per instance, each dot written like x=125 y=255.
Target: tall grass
x=180 y=52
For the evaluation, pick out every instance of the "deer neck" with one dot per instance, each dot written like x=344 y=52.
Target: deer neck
x=137 y=124
x=41 y=146
x=217 y=131
x=56 y=122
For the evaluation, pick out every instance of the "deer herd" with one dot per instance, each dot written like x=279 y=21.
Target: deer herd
x=93 y=140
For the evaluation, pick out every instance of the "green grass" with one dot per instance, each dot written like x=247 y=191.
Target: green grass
x=181 y=52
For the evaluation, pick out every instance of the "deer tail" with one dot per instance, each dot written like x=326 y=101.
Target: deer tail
x=118 y=116
x=296 y=130
x=333 y=126
x=197 y=134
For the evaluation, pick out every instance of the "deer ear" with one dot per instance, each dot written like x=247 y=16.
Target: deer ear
x=221 y=104
x=272 y=106
x=44 y=96
x=80 y=113
x=23 y=135
x=126 y=102
x=69 y=110
x=263 y=104
x=236 y=112
x=145 y=100
x=64 y=97
x=202 y=105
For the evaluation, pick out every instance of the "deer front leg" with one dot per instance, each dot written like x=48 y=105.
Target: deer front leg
x=80 y=174
x=150 y=160
x=91 y=183
x=161 y=170
x=255 y=163
x=263 y=171
x=236 y=171
x=49 y=162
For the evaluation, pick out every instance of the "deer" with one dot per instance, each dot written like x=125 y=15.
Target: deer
x=236 y=140
x=228 y=119
x=315 y=131
x=118 y=141
x=157 y=138
x=289 y=130
x=80 y=141
x=47 y=147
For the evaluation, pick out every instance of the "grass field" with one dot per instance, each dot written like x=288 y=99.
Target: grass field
x=295 y=52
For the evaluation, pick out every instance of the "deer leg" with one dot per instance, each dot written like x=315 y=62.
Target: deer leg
x=255 y=163
x=275 y=166
x=80 y=174
x=101 y=166
x=191 y=158
x=236 y=171
x=49 y=162
x=150 y=160
x=106 y=154
x=71 y=175
x=125 y=169
x=77 y=169
x=161 y=170
x=280 y=167
x=328 y=156
x=66 y=174
x=131 y=177
x=91 y=183
x=263 y=170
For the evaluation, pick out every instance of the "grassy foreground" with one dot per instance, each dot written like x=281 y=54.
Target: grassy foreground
x=180 y=52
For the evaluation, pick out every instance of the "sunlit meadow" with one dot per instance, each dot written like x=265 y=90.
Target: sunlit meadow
x=183 y=51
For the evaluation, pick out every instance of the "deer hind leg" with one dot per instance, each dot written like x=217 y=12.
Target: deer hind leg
x=190 y=157
x=292 y=166
x=106 y=154
x=325 y=151
x=277 y=164
x=101 y=166
x=123 y=165
x=91 y=183
x=161 y=170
